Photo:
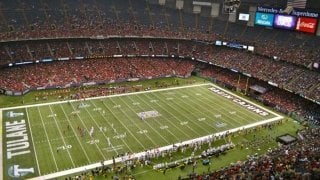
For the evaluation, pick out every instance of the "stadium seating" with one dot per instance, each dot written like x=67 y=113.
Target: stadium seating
x=63 y=73
x=294 y=78
x=90 y=33
x=44 y=20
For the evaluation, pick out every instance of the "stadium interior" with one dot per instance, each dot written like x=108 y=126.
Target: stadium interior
x=77 y=49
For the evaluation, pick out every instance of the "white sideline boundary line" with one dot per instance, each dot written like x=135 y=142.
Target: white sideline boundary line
x=101 y=97
x=140 y=154
x=34 y=147
x=1 y=141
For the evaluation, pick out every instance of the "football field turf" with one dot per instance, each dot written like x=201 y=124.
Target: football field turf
x=52 y=137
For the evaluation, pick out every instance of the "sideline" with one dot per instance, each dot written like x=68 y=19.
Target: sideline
x=141 y=154
x=101 y=97
x=34 y=147
x=1 y=141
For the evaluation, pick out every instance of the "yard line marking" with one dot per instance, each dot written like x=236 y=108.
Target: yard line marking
x=1 y=155
x=103 y=97
x=34 y=147
x=64 y=142
x=187 y=104
x=85 y=153
x=157 y=121
x=161 y=149
x=172 y=116
x=154 y=143
x=45 y=130
x=87 y=130
x=56 y=139
x=174 y=107
x=110 y=125
x=240 y=114
x=196 y=132
x=124 y=126
x=222 y=112
x=102 y=131
x=148 y=123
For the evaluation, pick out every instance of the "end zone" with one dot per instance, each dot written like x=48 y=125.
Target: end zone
x=247 y=100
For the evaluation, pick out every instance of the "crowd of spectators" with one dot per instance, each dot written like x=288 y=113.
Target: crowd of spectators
x=66 y=73
x=63 y=73
x=295 y=78
x=299 y=160
x=45 y=20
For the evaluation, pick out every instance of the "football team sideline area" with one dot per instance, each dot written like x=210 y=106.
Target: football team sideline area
x=76 y=135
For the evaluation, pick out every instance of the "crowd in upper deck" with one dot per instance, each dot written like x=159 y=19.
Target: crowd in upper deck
x=48 y=19
x=298 y=79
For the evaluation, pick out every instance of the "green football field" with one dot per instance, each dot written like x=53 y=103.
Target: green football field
x=53 y=137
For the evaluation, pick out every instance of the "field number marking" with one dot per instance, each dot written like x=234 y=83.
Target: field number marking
x=142 y=131
x=184 y=123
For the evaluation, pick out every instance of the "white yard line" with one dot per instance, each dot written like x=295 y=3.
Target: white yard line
x=99 y=97
x=243 y=116
x=123 y=125
x=54 y=159
x=190 y=120
x=104 y=118
x=153 y=142
x=85 y=126
x=146 y=121
x=64 y=142
x=34 y=147
x=69 y=122
x=141 y=154
x=158 y=122
x=173 y=117
x=104 y=135
x=186 y=119
x=1 y=155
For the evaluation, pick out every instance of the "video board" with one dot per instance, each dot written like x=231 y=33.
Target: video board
x=306 y=24
x=285 y=21
x=264 y=19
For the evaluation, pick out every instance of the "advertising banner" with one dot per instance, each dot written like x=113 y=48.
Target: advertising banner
x=285 y=21
x=264 y=19
x=308 y=25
